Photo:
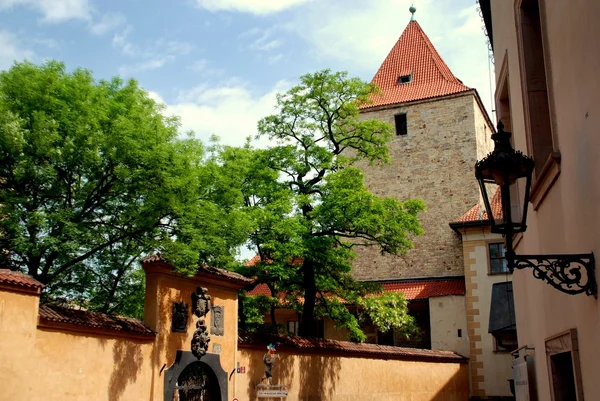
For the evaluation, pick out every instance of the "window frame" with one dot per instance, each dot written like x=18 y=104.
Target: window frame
x=565 y=341
x=542 y=180
x=404 y=132
x=489 y=258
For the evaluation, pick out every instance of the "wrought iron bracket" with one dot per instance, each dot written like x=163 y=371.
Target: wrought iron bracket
x=571 y=274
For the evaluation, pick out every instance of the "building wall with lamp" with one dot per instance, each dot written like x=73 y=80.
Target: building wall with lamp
x=547 y=65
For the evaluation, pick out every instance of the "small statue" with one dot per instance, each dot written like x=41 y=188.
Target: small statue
x=268 y=360
x=200 y=339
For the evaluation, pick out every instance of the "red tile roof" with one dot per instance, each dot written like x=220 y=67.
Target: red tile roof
x=413 y=289
x=19 y=279
x=424 y=289
x=54 y=313
x=214 y=271
x=478 y=212
x=347 y=347
x=256 y=258
x=414 y=54
x=260 y=289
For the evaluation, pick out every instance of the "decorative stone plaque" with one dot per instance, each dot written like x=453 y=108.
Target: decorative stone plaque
x=217 y=321
x=180 y=317
x=201 y=302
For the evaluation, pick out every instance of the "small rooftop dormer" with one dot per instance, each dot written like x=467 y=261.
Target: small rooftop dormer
x=413 y=70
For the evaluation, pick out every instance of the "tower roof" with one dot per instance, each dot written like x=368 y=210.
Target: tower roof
x=413 y=70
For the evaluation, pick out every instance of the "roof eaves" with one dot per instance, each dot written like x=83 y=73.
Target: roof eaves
x=457 y=225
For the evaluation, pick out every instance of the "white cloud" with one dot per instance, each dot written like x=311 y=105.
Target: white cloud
x=11 y=50
x=250 y=6
x=262 y=40
x=54 y=11
x=203 y=66
x=230 y=111
x=150 y=57
x=358 y=35
x=108 y=22
x=146 y=65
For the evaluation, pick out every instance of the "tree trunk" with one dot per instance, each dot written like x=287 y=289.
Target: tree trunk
x=308 y=325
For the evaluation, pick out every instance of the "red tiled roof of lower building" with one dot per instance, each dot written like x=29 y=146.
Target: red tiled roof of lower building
x=413 y=55
x=19 y=279
x=423 y=289
x=347 y=347
x=97 y=320
x=478 y=212
x=215 y=271
x=260 y=289
x=412 y=289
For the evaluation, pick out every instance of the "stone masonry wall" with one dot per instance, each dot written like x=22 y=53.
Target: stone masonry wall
x=435 y=163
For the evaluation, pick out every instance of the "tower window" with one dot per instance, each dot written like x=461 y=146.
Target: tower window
x=404 y=79
x=400 y=120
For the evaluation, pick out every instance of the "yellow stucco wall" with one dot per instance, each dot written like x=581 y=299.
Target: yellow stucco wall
x=63 y=362
x=163 y=289
x=341 y=378
x=56 y=361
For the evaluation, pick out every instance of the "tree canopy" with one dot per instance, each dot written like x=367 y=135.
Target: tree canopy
x=93 y=175
x=308 y=203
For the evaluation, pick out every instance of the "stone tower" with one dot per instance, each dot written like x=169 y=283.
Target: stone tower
x=441 y=130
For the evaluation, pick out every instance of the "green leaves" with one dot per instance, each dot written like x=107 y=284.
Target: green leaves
x=93 y=175
x=306 y=229
x=388 y=310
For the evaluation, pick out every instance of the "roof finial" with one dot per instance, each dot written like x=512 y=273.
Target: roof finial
x=412 y=10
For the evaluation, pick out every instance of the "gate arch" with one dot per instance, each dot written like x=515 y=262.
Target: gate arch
x=199 y=378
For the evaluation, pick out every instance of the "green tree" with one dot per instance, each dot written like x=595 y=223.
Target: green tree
x=308 y=220
x=93 y=175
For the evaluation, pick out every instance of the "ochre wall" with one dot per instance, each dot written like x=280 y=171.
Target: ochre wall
x=58 y=361
x=44 y=364
x=163 y=289
x=567 y=220
x=344 y=378
x=434 y=162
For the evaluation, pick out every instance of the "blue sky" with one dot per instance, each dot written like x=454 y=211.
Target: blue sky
x=219 y=63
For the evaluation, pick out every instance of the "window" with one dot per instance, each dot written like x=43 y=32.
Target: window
x=506 y=343
x=498 y=262
x=535 y=85
x=404 y=79
x=401 y=125
x=562 y=353
x=292 y=328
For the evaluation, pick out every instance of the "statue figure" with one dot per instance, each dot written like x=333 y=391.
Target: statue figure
x=268 y=360
x=200 y=339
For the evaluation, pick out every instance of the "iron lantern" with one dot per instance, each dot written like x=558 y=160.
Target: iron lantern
x=504 y=167
x=571 y=274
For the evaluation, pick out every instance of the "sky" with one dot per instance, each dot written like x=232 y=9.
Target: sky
x=219 y=64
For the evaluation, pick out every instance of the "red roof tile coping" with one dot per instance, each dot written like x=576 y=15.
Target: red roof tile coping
x=478 y=212
x=412 y=290
x=95 y=320
x=414 y=54
x=214 y=271
x=19 y=279
x=347 y=347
